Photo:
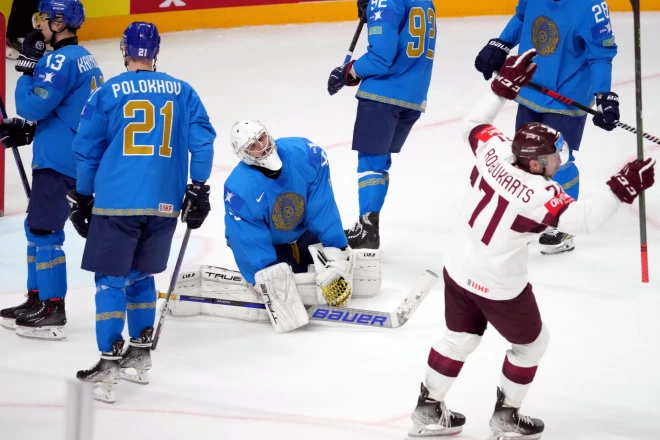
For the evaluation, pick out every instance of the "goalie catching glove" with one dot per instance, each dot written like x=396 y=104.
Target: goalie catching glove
x=334 y=274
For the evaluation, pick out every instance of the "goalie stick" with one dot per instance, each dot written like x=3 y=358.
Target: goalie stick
x=344 y=315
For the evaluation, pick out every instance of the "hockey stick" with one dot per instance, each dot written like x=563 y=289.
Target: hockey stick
x=591 y=111
x=17 y=157
x=175 y=275
x=344 y=315
x=640 y=137
x=356 y=37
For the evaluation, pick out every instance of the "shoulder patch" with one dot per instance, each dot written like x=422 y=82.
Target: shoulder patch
x=375 y=30
x=42 y=93
x=316 y=154
x=601 y=30
x=232 y=200
x=484 y=133
x=56 y=79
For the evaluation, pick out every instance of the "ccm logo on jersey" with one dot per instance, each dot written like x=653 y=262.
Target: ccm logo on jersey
x=558 y=203
x=358 y=318
x=478 y=287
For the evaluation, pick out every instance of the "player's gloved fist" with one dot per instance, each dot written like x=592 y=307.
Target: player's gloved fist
x=634 y=178
x=342 y=76
x=516 y=72
x=33 y=48
x=362 y=9
x=196 y=205
x=81 y=211
x=492 y=57
x=16 y=132
x=608 y=107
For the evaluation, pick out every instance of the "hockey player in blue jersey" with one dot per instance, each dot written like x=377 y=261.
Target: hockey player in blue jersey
x=575 y=45
x=131 y=151
x=394 y=76
x=51 y=92
x=280 y=217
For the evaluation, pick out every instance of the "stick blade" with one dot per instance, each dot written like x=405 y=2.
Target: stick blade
x=417 y=294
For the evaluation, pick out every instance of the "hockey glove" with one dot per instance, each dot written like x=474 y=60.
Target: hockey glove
x=81 y=211
x=492 y=57
x=33 y=48
x=608 y=106
x=196 y=205
x=343 y=76
x=634 y=178
x=516 y=72
x=362 y=9
x=16 y=132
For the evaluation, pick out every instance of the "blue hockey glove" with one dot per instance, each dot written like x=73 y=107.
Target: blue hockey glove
x=342 y=76
x=33 y=48
x=608 y=105
x=16 y=132
x=81 y=211
x=492 y=57
x=196 y=205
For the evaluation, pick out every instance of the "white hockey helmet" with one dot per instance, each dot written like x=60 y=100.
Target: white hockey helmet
x=253 y=144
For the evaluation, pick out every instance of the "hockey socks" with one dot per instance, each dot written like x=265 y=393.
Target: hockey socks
x=141 y=299
x=373 y=181
x=31 y=260
x=110 y=310
x=50 y=265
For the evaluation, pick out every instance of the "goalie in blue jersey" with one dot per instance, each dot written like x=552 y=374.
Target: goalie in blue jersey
x=394 y=77
x=575 y=46
x=49 y=96
x=132 y=149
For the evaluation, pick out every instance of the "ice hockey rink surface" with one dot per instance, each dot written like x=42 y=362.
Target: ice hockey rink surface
x=223 y=379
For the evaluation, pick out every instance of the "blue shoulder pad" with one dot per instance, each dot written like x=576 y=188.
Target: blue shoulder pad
x=316 y=154
x=233 y=201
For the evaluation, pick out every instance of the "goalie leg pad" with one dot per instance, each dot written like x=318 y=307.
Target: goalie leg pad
x=334 y=275
x=277 y=286
x=368 y=272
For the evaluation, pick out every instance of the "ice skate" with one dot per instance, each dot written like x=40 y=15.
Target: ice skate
x=104 y=374
x=364 y=233
x=507 y=423
x=555 y=242
x=432 y=418
x=10 y=314
x=136 y=361
x=46 y=322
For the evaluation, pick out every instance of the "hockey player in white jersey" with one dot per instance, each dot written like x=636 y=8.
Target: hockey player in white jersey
x=510 y=201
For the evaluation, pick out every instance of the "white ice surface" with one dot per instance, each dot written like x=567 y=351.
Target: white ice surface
x=223 y=379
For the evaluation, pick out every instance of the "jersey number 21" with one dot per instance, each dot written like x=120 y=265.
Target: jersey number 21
x=149 y=123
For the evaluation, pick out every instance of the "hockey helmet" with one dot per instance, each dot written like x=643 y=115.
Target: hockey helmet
x=536 y=141
x=140 y=40
x=71 y=12
x=253 y=144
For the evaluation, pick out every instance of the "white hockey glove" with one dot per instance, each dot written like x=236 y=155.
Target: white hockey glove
x=277 y=287
x=334 y=275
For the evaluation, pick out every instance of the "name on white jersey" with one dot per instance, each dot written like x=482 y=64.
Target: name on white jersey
x=147 y=86
x=87 y=63
x=510 y=183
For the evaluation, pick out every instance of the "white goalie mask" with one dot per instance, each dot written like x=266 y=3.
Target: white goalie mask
x=253 y=144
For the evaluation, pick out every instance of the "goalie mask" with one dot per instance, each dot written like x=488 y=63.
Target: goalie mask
x=253 y=144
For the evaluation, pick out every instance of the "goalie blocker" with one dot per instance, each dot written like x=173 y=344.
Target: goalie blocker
x=223 y=284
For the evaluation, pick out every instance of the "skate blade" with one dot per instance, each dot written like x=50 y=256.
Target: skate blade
x=47 y=333
x=553 y=250
x=140 y=377
x=433 y=431
x=105 y=392
x=498 y=435
x=8 y=323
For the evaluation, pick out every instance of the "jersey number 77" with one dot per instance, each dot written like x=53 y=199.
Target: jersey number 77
x=421 y=27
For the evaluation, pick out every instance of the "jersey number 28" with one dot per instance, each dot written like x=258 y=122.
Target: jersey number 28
x=131 y=108
x=418 y=29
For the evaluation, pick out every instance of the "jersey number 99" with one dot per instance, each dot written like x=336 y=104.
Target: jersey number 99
x=131 y=108
x=418 y=29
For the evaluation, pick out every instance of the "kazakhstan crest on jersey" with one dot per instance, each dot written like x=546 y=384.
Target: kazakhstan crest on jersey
x=545 y=36
x=287 y=211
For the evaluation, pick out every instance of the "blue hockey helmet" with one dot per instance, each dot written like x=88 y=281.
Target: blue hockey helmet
x=71 y=11
x=141 y=40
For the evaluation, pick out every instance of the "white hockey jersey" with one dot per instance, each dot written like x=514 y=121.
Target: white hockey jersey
x=505 y=208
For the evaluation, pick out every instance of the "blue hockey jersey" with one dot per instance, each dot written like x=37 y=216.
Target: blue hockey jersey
x=396 y=69
x=575 y=45
x=133 y=143
x=261 y=212
x=54 y=97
